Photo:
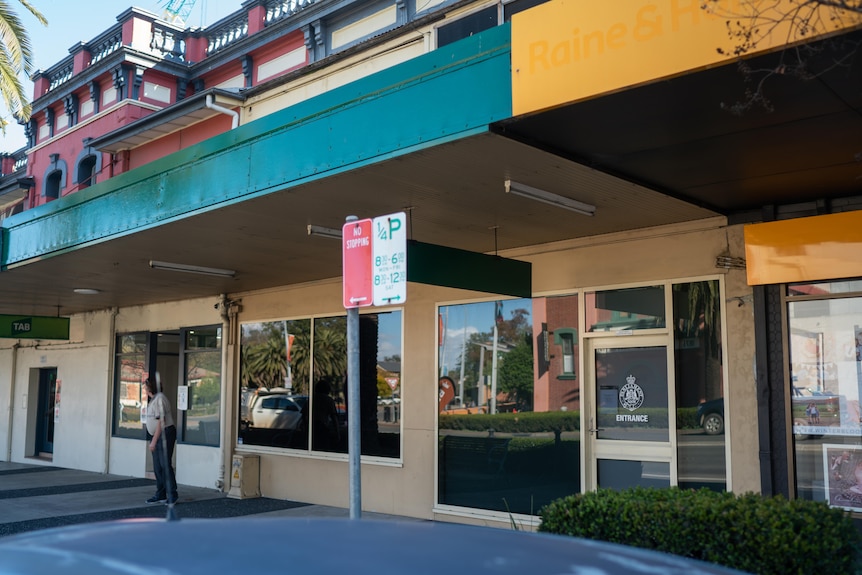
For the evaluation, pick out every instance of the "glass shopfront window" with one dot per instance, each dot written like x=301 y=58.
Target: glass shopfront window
x=700 y=408
x=202 y=365
x=130 y=367
x=509 y=408
x=825 y=352
x=511 y=396
x=625 y=309
x=294 y=384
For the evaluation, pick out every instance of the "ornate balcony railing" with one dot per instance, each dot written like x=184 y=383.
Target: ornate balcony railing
x=279 y=9
x=62 y=73
x=106 y=44
x=20 y=161
x=226 y=34
x=168 y=42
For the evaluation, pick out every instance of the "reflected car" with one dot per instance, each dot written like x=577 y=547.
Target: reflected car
x=130 y=410
x=710 y=416
x=278 y=411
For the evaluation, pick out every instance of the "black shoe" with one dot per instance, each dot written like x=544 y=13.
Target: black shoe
x=157 y=499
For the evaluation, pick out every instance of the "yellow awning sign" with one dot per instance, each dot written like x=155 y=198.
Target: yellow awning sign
x=569 y=50
x=804 y=249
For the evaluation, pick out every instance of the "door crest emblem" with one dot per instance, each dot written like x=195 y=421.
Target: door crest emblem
x=631 y=394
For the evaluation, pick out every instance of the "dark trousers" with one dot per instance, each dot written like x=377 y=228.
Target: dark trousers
x=166 y=480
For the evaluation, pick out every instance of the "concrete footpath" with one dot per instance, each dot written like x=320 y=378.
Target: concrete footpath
x=39 y=496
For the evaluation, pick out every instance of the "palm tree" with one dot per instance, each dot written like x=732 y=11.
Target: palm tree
x=16 y=57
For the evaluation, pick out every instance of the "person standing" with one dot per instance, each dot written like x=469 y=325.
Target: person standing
x=160 y=424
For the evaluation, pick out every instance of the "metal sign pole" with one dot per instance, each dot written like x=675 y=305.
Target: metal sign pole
x=354 y=444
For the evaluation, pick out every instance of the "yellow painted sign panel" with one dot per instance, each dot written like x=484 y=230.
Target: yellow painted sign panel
x=804 y=249
x=568 y=50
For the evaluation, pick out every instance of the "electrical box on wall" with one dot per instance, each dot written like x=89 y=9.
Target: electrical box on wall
x=244 y=477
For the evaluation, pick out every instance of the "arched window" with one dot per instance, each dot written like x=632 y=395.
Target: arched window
x=55 y=178
x=53 y=183
x=87 y=166
x=86 y=175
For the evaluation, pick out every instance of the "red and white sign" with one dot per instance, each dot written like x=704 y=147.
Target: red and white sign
x=357 y=253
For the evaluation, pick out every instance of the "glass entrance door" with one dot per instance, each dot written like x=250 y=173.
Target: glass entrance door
x=631 y=413
x=47 y=401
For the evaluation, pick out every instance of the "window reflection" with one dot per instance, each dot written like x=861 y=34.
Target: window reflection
x=824 y=288
x=631 y=386
x=699 y=386
x=509 y=437
x=131 y=371
x=300 y=368
x=620 y=475
x=825 y=341
x=625 y=309
x=201 y=423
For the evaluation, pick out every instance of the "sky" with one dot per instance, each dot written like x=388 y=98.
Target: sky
x=462 y=321
x=71 y=22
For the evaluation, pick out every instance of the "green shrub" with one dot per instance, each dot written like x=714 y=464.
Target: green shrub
x=765 y=536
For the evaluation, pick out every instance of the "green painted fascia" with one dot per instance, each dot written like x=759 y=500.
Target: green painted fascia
x=444 y=95
x=451 y=267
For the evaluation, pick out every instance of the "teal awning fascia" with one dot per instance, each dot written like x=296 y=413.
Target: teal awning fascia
x=448 y=94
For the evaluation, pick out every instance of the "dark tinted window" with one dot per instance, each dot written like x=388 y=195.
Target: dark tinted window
x=519 y=6
x=467 y=26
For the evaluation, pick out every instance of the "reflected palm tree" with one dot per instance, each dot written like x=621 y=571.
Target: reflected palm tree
x=266 y=363
x=330 y=348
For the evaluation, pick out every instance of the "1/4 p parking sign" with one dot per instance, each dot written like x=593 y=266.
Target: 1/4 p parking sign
x=389 y=262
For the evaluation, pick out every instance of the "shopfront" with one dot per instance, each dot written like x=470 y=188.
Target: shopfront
x=811 y=268
x=534 y=425
x=499 y=405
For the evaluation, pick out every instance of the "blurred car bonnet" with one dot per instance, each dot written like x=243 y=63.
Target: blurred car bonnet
x=323 y=546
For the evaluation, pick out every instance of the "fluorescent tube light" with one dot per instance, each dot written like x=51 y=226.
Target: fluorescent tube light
x=168 y=266
x=532 y=193
x=324 y=232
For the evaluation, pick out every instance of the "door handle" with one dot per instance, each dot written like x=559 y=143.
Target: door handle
x=597 y=429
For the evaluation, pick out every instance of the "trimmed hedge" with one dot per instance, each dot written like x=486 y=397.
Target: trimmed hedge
x=765 y=536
